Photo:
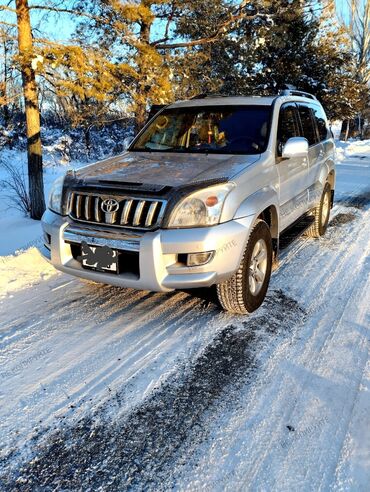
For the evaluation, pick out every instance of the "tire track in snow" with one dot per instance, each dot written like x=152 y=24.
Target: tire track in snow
x=359 y=198
x=137 y=451
x=340 y=270
x=283 y=400
x=151 y=332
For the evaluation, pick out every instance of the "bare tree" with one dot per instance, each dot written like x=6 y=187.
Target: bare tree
x=16 y=184
x=355 y=17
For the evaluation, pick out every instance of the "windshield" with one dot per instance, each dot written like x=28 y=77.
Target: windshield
x=208 y=129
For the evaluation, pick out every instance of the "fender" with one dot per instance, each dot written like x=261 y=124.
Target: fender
x=325 y=170
x=256 y=203
x=326 y=173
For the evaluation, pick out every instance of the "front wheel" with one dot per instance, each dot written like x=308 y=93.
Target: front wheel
x=245 y=291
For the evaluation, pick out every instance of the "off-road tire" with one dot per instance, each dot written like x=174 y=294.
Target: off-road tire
x=320 y=224
x=234 y=294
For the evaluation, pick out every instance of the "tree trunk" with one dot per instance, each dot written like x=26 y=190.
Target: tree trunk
x=87 y=139
x=360 y=126
x=347 y=131
x=141 y=106
x=3 y=95
x=34 y=150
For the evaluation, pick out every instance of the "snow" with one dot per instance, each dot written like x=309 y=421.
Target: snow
x=20 y=271
x=21 y=231
x=119 y=389
x=353 y=150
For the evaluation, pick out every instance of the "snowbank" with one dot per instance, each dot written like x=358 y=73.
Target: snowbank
x=22 y=271
x=352 y=149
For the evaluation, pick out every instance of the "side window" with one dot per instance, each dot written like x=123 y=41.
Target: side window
x=321 y=122
x=307 y=123
x=288 y=125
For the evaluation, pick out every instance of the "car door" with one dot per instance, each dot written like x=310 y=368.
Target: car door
x=326 y=145
x=310 y=131
x=293 y=171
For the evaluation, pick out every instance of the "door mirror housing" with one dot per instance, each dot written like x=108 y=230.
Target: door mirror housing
x=295 y=147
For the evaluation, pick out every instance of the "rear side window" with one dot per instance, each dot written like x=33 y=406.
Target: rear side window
x=288 y=125
x=307 y=123
x=322 y=126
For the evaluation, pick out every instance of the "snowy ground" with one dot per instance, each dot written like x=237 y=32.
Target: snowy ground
x=112 y=389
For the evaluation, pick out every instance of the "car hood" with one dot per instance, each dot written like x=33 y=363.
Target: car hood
x=164 y=169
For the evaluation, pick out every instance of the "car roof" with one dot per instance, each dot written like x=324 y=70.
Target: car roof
x=225 y=101
x=239 y=101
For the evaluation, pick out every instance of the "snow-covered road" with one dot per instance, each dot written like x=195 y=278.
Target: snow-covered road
x=112 y=389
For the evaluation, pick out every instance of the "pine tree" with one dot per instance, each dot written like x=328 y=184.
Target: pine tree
x=169 y=44
x=85 y=83
x=302 y=48
x=124 y=30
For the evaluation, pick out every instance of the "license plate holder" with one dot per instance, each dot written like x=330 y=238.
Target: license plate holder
x=99 y=258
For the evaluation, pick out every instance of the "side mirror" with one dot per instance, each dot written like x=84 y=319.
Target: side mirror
x=127 y=142
x=295 y=147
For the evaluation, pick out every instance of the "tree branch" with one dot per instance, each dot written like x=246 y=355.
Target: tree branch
x=7 y=23
x=50 y=8
x=221 y=31
x=8 y=9
x=122 y=28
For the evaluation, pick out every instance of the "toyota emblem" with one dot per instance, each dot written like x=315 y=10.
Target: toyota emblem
x=109 y=205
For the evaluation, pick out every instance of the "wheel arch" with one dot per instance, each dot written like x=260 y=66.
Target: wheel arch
x=270 y=216
x=327 y=173
x=263 y=204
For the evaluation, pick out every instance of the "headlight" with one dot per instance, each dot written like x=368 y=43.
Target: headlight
x=202 y=208
x=55 y=196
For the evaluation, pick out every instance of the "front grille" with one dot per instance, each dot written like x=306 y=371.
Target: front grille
x=132 y=212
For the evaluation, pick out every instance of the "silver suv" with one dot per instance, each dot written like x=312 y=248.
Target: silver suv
x=204 y=196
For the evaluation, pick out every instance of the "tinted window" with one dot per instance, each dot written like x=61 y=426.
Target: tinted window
x=307 y=123
x=208 y=129
x=321 y=122
x=288 y=126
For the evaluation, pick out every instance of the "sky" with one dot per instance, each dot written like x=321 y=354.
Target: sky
x=61 y=26
x=56 y=26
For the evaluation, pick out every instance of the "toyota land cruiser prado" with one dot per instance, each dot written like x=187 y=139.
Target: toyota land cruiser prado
x=202 y=197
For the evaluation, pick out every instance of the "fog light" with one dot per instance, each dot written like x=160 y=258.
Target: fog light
x=197 y=259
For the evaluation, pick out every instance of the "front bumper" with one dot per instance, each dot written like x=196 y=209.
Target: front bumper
x=157 y=252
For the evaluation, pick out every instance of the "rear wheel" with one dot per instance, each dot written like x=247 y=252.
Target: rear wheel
x=245 y=291
x=321 y=214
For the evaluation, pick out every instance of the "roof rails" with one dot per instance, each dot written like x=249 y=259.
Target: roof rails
x=287 y=91
x=295 y=92
x=205 y=95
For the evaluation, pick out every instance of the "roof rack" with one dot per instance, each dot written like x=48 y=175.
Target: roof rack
x=205 y=95
x=295 y=92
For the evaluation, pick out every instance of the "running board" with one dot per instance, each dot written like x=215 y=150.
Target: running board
x=288 y=236
x=295 y=231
